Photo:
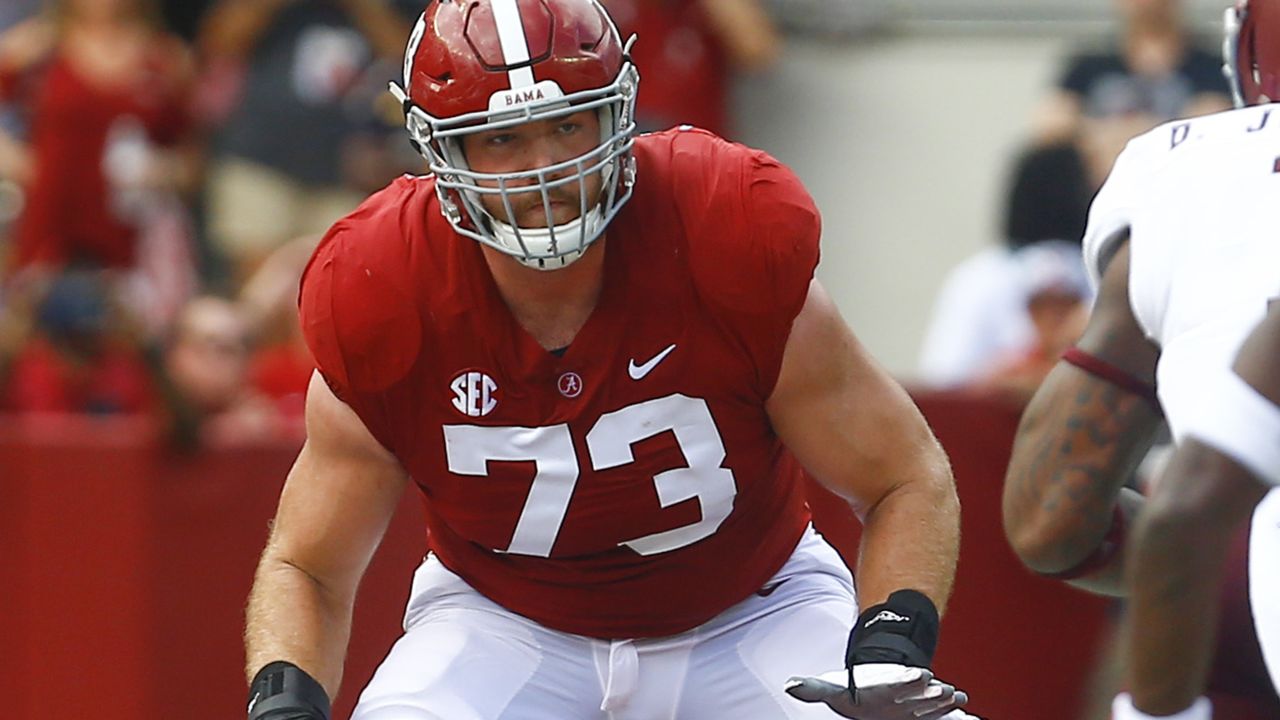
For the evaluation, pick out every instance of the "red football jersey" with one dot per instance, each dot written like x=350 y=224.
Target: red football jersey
x=70 y=213
x=633 y=485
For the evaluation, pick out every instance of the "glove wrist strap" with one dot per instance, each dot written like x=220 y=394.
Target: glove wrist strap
x=902 y=630
x=284 y=690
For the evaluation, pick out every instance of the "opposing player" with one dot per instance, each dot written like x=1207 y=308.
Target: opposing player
x=1229 y=458
x=603 y=361
x=1181 y=242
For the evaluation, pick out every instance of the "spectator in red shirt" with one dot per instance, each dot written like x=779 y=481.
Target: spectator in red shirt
x=688 y=48
x=106 y=128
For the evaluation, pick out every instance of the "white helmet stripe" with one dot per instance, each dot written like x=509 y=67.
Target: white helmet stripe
x=515 y=49
x=415 y=39
x=613 y=27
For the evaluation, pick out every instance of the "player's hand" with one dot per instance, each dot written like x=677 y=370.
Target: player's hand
x=884 y=691
x=1122 y=709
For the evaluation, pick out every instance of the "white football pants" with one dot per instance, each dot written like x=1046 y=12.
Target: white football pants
x=1264 y=580
x=463 y=657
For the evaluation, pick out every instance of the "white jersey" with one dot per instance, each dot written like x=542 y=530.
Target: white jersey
x=1200 y=199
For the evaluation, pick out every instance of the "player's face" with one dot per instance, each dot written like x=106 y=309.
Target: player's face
x=534 y=145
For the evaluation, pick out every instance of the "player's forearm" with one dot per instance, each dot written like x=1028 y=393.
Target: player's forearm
x=1173 y=604
x=1175 y=572
x=293 y=617
x=1108 y=578
x=1079 y=441
x=911 y=538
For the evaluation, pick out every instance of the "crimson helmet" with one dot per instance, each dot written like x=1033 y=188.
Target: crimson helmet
x=1251 y=51
x=480 y=65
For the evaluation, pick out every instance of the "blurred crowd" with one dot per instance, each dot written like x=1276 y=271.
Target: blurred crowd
x=1004 y=316
x=166 y=167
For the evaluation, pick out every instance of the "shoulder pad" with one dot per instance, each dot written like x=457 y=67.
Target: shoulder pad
x=753 y=228
x=358 y=312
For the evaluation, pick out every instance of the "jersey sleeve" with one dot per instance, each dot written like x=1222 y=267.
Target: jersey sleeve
x=756 y=245
x=358 y=316
x=1236 y=420
x=1113 y=208
x=784 y=228
x=1191 y=362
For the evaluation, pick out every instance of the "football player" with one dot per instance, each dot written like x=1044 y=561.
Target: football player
x=1181 y=244
x=602 y=360
x=1229 y=458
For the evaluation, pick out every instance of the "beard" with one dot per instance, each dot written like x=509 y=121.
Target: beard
x=528 y=210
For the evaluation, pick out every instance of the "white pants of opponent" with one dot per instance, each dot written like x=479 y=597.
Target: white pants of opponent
x=1264 y=580
x=463 y=657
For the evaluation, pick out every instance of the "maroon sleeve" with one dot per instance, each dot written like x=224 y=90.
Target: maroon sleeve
x=754 y=244
x=786 y=228
x=358 y=319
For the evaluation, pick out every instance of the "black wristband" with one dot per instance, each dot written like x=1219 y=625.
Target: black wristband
x=284 y=691
x=902 y=630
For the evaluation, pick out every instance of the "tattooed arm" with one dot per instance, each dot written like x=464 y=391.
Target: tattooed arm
x=1080 y=439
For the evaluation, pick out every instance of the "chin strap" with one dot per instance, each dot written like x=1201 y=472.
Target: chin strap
x=507 y=237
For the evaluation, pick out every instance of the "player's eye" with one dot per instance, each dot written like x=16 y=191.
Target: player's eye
x=568 y=128
x=499 y=139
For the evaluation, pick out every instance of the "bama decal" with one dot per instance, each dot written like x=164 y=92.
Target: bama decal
x=521 y=96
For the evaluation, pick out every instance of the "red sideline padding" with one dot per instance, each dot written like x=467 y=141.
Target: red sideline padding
x=124 y=571
x=1022 y=646
x=126 y=568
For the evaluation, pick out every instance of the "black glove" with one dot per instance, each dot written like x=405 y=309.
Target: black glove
x=887 y=675
x=902 y=630
x=284 y=691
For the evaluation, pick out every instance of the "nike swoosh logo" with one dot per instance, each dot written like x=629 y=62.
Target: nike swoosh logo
x=767 y=590
x=639 y=371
